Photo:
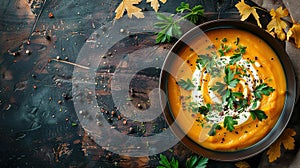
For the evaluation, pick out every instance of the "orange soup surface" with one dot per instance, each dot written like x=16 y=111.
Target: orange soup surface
x=227 y=90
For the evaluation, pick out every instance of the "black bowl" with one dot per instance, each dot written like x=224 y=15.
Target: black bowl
x=289 y=101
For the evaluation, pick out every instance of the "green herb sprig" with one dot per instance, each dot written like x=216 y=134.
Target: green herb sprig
x=165 y=163
x=169 y=26
x=212 y=131
x=192 y=162
x=263 y=89
x=229 y=78
x=186 y=84
x=219 y=88
x=196 y=162
x=208 y=61
x=259 y=114
x=229 y=123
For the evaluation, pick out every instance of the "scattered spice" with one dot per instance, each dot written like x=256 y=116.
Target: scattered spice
x=50 y=15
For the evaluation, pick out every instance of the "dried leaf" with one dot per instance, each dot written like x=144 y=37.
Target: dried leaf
x=276 y=23
x=128 y=5
x=286 y=138
x=155 y=4
x=242 y=164
x=246 y=10
x=294 y=32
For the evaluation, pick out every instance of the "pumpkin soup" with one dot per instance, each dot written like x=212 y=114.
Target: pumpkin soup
x=229 y=91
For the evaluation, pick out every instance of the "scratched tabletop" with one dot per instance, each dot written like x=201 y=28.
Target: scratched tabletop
x=74 y=82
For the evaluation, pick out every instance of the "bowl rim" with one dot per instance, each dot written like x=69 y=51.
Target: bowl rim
x=285 y=115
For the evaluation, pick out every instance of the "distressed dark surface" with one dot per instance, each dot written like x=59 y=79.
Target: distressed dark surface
x=38 y=124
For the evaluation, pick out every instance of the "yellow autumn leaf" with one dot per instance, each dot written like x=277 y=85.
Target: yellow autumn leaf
x=294 y=32
x=276 y=23
x=128 y=5
x=242 y=164
x=286 y=138
x=274 y=151
x=155 y=4
x=246 y=10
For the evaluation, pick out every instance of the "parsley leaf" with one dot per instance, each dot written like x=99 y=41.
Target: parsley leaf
x=209 y=62
x=204 y=109
x=241 y=104
x=229 y=78
x=192 y=162
x=259 y=114
x=183 y=7
x=165 y=163
x=187 y=85
x=212 y=131
x=229 y=123
x=196 y=162
x=235 y=58
x=219 y=87
x=224 y=49
x=195 y=13
x=263 y=89
x=169 y=28
x=203 y=60
x=231 y=97
x=193 y=106
x=241 y=49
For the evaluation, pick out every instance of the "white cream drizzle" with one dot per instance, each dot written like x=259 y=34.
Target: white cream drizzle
x=248 y=81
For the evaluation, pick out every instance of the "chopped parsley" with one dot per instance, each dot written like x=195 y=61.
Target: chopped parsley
x=204 y=109
x=212 y=131
x=219 y=87
x=237 y=41
x=235 y=58
x=186 y=85
x=263 y=89
x=259 y=114
x=229 y=123
x=229 y=78
x=208 y=61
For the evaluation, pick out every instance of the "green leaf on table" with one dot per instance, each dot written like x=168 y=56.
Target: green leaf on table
x=195 y=13
x=186 y=85
x=165 y=163
x=196 y=162
x=168 y=26
x=259 y=114
x=183 y=7
x=229 y=123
